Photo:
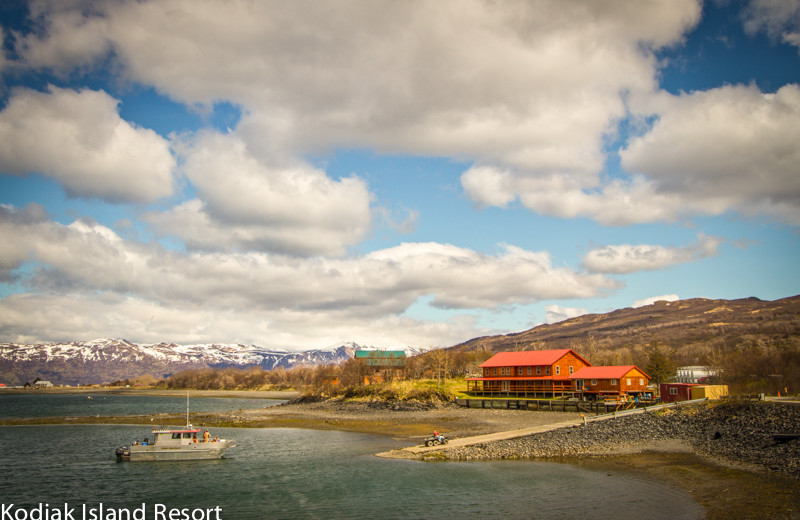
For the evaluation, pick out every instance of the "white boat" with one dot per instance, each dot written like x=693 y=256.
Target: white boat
x=175 y=443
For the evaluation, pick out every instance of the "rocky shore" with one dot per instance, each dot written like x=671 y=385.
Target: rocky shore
x=735 y=433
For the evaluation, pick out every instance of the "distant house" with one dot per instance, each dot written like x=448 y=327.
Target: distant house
x=627 y=380
x=531 y=373
x=382 y=365
x=42 y=384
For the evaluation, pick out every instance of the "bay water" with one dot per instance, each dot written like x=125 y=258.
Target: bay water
x=41 y=404
x=297 y=474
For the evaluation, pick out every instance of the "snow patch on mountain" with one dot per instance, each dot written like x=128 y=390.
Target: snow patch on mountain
x=104 y=360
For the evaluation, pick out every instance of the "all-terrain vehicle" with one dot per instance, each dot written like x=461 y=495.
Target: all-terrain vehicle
x=435 y=440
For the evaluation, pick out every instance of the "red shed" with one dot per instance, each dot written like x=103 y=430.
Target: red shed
x=671 y=392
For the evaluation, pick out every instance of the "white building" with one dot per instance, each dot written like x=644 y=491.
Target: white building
x=693 y=374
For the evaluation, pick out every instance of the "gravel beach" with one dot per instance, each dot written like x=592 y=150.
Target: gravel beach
x=403 y=420
x=739 y=434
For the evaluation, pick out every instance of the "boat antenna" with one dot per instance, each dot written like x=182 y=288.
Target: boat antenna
x=187 y=409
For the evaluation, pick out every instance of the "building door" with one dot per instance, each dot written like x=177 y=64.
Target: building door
x=504 y=386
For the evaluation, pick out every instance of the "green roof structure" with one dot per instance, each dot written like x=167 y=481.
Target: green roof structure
x=382 y=358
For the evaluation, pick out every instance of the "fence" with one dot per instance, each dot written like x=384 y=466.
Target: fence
x=565 y=405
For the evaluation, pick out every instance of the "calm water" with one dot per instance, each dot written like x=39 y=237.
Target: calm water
x=290 y=473
x=78 y=405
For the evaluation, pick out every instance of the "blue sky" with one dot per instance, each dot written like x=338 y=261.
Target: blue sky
x=395 y=174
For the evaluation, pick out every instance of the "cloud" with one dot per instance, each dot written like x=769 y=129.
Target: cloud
x=2 y=50
x=616 y=202
x=778 y=18
x=706 y=153
x=530 y=85
x=85 y=259
x=78 y=139
x=245 y=203
x=556 y=313
x=626 y=259
x=654 y=299
x=730 y=148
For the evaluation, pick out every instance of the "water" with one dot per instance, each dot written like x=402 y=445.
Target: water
x=13 y=406
x=293 y=473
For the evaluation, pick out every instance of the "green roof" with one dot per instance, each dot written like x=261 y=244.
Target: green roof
x=382 y=358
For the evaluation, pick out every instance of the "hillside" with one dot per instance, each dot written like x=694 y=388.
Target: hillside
x=692 y=329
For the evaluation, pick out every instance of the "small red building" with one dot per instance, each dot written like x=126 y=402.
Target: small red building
x=531 y=373
x=614 y=380
x=671 y=392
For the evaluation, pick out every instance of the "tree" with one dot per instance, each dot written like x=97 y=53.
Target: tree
x=441 y=359
x=660 y=366
x=352 y=373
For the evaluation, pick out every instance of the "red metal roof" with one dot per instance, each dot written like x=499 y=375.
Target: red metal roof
x=612 y=372
x=514 y=378
x=528 y=358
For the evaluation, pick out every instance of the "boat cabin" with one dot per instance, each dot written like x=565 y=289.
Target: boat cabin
x=174 y=436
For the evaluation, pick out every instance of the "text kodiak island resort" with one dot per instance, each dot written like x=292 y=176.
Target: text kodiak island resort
x=102 y=512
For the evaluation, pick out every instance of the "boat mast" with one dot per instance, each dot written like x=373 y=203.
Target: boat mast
x=187 y=409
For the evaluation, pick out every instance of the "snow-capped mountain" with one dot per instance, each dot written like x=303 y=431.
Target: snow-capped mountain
x=106 y=360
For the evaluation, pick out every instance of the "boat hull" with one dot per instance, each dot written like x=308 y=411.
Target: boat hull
x=199 y=451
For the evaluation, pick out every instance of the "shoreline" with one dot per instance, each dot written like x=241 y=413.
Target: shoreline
x=723 y=487
x=160 y=392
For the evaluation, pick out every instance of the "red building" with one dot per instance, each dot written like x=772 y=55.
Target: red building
x=614 y=380
x=671 y=392
x=533 y=373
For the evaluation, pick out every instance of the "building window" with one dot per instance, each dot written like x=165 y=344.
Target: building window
x=547 y=370
x=641 y=382
x=529 y=370
x=558 y=370
x=495 y=371
x=629 y=382
x=673 y=391
x=538 y=371
x=613 y=382
x=571 y=370
x=594 y=382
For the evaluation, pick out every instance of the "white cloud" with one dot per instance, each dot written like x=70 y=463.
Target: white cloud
x=529 y=85
x=627 y=258
x=778 y=18
x=244 y=203
x=654 y=299
x=353 y=294
x=556 y=313
x=2 y=50
x=730 y=148
x=617 y=202
x=78 y=138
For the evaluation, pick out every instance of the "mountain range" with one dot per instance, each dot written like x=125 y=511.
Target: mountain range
x=689 y=328
x=106 y=360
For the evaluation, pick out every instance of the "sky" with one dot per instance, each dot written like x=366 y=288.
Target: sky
x=397 y=174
